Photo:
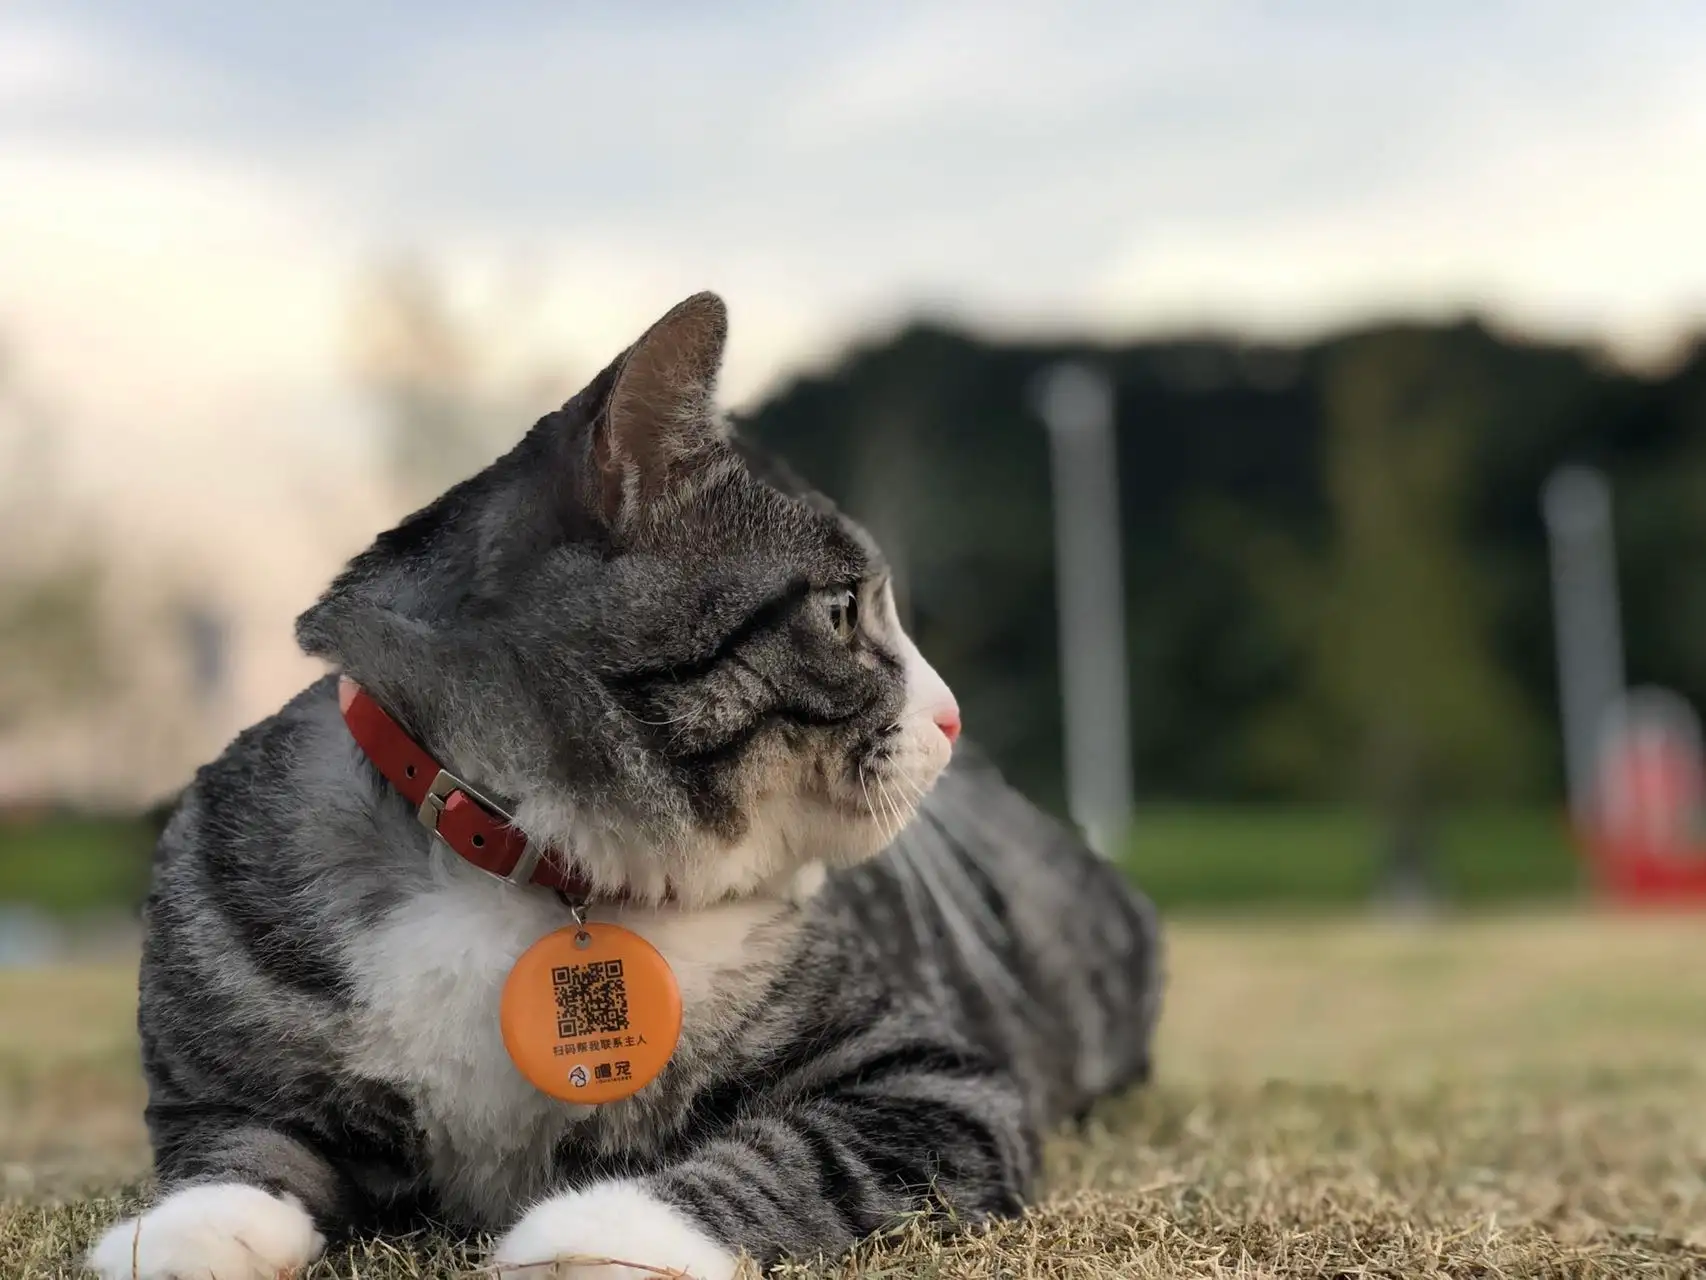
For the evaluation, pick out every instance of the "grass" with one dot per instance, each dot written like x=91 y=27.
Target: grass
x=1301 y=856
x=1483 y=1097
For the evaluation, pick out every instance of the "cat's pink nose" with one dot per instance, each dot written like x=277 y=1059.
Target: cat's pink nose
x=948 y=721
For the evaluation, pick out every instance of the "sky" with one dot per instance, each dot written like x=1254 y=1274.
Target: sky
x=192 y=193
x=189 y=191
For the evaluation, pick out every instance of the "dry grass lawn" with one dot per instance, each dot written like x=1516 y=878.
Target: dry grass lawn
x=1479 y=1098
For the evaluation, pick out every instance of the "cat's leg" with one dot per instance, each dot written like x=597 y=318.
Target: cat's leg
x=257 y=1205
x=814 y=1176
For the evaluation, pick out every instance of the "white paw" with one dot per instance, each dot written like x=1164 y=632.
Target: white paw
x=591 y=1234
x=221 y=1231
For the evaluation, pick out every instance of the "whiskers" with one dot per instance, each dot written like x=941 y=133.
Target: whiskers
x=891 y=810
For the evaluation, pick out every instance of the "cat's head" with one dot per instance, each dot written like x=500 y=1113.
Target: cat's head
x=680 y=673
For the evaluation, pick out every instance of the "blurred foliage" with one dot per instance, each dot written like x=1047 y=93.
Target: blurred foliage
x=74 y=863
x=1400 y=695
x=417 y=362
x=1391 y=617
x=1336 y=566
x=54 y=650
x=447 y=401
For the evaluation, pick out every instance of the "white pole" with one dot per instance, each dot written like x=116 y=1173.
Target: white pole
x=1576 y=502
x=1076 y=403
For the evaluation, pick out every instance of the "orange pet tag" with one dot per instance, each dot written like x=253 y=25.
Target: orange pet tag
x=590 y=1013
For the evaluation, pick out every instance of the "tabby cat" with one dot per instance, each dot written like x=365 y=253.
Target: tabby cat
x=681 y=671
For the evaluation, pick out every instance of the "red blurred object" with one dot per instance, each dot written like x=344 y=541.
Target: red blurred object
x=1647 y=842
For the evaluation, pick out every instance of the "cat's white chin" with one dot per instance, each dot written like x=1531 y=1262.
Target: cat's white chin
x=218 y=1231
x=614 y=1230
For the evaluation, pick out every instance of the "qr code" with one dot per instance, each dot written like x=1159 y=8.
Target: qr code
x=591 y=998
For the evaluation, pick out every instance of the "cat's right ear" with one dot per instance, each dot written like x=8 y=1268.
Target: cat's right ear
x=660 y=416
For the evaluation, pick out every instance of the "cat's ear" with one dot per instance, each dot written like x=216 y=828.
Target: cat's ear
x=659 y=415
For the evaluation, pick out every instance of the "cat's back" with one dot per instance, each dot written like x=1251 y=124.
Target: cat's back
x=1003 y=918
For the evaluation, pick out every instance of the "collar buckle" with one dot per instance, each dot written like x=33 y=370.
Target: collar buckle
x=444 y=784
x=431 y=808
x=431 y=812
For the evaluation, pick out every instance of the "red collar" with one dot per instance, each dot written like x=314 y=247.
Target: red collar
x=472 y=824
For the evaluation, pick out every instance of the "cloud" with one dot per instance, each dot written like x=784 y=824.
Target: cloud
x=208 y=186
x=41 y=68
x=1583 y=227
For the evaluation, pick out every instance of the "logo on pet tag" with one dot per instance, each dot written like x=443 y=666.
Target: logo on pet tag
x=590 y=1013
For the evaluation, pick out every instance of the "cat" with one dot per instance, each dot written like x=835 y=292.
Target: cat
x=682 y=671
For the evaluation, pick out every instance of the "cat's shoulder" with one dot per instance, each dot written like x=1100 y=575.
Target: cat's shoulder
x=262 y=764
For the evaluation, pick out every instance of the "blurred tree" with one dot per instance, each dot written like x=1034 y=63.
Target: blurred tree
x=450 y=392
x=1402 y=690
x=53 y=650
x=53 y=646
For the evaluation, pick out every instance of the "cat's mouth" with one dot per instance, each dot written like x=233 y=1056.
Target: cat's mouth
x=895 y=772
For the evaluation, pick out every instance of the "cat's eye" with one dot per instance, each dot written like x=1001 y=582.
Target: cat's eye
x=843 y=613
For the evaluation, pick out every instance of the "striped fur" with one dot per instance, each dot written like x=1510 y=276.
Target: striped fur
x=646 y=648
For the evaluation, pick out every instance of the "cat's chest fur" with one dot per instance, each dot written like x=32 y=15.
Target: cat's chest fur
x=428 y=978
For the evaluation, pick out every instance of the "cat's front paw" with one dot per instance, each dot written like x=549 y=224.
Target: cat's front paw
x=610 y=1231
x=221 y=1231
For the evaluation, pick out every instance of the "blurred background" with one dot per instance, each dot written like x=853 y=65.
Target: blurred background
x=1202 y=367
